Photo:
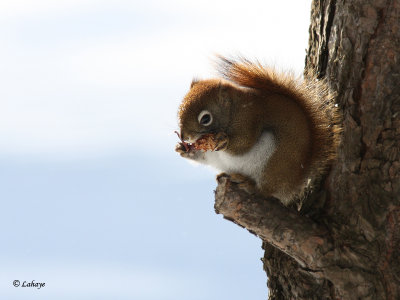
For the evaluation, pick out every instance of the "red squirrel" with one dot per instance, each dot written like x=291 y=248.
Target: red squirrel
x=272 y=133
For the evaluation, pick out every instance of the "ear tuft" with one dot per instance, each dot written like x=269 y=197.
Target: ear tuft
x=223 y=94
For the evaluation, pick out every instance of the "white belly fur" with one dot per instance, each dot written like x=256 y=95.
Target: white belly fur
x=250 y=164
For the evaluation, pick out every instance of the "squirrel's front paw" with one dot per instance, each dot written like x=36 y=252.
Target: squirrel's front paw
x=221 y=141
x=181 y=149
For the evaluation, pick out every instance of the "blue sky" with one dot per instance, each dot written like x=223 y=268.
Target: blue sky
x=95 y=203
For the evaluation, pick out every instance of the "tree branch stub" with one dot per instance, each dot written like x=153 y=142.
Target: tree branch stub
x=286 y=229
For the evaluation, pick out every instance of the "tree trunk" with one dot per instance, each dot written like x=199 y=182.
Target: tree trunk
x=343 y=241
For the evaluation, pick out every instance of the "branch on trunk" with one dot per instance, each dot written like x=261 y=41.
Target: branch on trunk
x=308 y=243
x=296 y=235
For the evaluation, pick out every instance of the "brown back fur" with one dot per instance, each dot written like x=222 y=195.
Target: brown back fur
x=312 y=95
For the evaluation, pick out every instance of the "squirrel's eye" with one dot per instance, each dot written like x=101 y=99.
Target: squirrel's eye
x=205 y=118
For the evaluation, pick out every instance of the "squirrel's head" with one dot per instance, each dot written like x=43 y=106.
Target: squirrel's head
x=205 y=109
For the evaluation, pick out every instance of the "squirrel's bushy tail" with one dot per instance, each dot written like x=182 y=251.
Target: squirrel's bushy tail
x=313 y=96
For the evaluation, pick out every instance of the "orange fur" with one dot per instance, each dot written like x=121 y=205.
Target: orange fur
x=313 y=95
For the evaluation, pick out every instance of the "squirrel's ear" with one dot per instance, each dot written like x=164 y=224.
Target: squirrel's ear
x=194 y=82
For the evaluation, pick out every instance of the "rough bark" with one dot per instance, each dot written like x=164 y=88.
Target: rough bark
x=343 y=242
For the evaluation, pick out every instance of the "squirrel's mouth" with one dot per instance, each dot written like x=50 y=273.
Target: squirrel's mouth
x=206 y=142
x=188 y=146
